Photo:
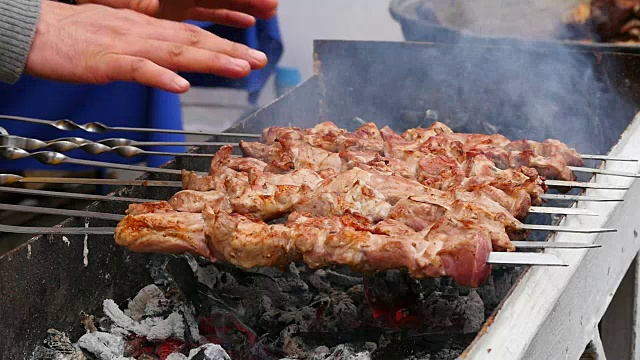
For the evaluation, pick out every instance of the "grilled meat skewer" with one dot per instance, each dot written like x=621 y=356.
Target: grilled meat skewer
x=550 y=157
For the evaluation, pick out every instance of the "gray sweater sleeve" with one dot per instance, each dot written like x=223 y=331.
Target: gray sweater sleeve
x=18 y=21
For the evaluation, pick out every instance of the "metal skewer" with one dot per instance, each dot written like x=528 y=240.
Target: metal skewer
x=584 y=185
x=124 y=147
x=111 y=231
x=515 y=259
x=7 y=179
x=90 y=147
x=560 y=211
x=552 y=245
x=497 y=258
x=31 y=144
x=557 y=228
x=603 y=172
x=70 y=195
x=605 y=158
x=61 y=212
x=578 y=198
x=96 y=127
x=55 y=158
x=10 y=179
x=118 y=217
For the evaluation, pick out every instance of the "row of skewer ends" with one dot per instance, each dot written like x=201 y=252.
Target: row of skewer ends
x=429 y=200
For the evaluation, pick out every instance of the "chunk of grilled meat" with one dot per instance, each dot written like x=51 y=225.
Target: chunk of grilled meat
x=167 y=232
x=551 y=156
x=441 y=172
x=194 y=201
x=448 y=248
x=285 y=155
x=328 y=136
x=250 y=189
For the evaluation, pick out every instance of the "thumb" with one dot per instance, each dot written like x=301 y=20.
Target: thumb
x=147 y=7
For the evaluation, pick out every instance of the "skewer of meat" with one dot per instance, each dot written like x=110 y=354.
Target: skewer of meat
x=550 y=157
x=516 y=190
x=448 y=248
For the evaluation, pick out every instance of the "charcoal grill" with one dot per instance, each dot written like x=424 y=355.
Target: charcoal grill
x=586 y=96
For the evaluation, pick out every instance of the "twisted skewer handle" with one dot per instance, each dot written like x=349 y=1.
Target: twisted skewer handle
x=55 y=158
x=97 y=127
x=93 y=148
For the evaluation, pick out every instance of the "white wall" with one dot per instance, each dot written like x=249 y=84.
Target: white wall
x=301 y=22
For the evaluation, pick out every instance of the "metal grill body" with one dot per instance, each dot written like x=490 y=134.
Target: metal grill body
x=48 y=281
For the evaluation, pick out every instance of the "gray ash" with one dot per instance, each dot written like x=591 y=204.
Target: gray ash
x=298 y=313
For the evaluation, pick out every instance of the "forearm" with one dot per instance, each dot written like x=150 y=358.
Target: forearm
x=18 y=21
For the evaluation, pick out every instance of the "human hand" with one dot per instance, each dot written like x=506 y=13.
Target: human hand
x=97 y=44
x=237 y=13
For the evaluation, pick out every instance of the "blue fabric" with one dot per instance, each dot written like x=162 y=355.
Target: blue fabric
x=264 y=36
x=122 y=104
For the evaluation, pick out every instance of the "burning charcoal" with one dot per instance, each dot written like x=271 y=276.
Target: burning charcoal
x=43 y=353
x=318 y=281
x=59 y=342
x=153 y=328
x=292 y=345
x=320 y=352
x=148 y=357
x=346 y=352
x=209 y=352
x=463 y=313
x=356 y=294
x=473 y=313
x=192 y=330
x=344 y=281
x=176 y=356
x=149 y=301
x=88 y=322
x=103 y=345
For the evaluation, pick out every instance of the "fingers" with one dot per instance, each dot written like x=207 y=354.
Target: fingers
x=263 y=9
x=191 y=35
x=147 y=7
x=180 y=57
x=222 y=17
x=143 y=71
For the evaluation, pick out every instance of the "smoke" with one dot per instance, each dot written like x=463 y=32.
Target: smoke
x=520 y=88
x=540 y=91
x=541 y=19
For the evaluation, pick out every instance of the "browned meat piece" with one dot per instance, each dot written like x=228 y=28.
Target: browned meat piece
x=150 y=207
x=548 y=149
x=246 y=241
x=284 y=156
x=398 y=148
x=448 y=249
x=434 y=169
x=193 y=181
x=271 y=134
x=328 y=136
x=346 y=193
x=165 y=233
x=366 y=138
x=550 y=158
x=480 y=171
x=193 y=201
x=464 y=251
x=423 y=134
x=421 y=212
x=352 y=159
x=417 y=215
